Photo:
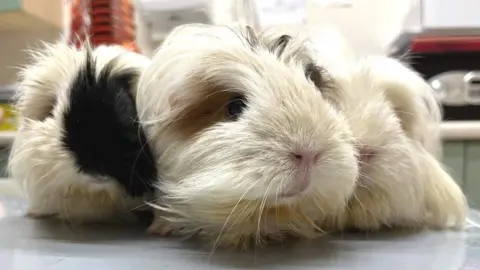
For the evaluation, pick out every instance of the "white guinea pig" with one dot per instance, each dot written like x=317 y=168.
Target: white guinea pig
x=80 y=154
x=414 y=101
x=395 y=119
x=247 y=148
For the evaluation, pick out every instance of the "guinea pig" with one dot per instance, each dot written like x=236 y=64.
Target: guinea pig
x=395 y=120
x=413 y=100
x=80 y=154
x=248 y=150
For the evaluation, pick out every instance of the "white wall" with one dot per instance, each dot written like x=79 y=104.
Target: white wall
x=369 y=24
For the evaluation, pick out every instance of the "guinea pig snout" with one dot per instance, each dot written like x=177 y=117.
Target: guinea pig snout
x=300 y=183
x=365 y=155
x=305 y=158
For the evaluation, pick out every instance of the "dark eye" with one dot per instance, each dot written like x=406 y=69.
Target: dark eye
x=235 y=106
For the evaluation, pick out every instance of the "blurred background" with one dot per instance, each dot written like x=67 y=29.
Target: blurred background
x=371 y=25
x=438 y=38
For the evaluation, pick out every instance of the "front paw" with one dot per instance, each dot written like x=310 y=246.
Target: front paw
x=163 y=228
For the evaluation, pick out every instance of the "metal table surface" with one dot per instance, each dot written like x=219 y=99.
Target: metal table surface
x=27 y=244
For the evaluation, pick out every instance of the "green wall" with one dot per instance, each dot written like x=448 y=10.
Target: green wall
x=10 y=5
x=462 y=158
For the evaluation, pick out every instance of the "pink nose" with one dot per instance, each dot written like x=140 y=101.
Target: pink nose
x=366 y=154
x=306 y=157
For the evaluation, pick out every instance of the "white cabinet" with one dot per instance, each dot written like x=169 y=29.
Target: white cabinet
x=154 y=19
x=450 y=14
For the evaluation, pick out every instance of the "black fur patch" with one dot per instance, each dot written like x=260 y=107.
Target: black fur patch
x=102 y=129
x=318 y=76
x=280 y=44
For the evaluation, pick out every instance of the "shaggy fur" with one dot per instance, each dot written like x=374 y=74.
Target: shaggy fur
x=226 y=110
x=61 y=170
x=395 y=120
x=225 y=178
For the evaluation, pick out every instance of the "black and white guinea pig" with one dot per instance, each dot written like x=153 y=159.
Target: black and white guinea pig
x=248 y=148
x=80 y=154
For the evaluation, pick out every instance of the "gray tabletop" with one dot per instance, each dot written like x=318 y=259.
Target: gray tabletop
x=27 y=244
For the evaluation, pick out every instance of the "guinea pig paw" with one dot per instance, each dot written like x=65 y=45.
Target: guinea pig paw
x=162 y=228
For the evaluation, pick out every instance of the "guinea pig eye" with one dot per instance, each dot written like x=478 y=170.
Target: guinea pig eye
x=235 y=106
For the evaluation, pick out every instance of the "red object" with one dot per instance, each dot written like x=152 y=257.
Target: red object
x=104 y=22
x=439 y=44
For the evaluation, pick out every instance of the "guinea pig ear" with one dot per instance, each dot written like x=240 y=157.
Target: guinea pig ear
x=40 y=82
x=412 y=98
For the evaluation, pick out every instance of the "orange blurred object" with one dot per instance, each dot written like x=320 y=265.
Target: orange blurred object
x=104 y=22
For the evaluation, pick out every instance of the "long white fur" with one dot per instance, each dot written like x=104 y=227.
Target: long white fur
x=39 y=162
x=403 y=184
x=388 y=107
x=224 y=181
x=394 y=112
x=412 y=97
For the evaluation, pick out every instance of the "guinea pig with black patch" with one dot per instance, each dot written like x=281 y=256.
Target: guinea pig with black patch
x=248 y=149
x=80 y=153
